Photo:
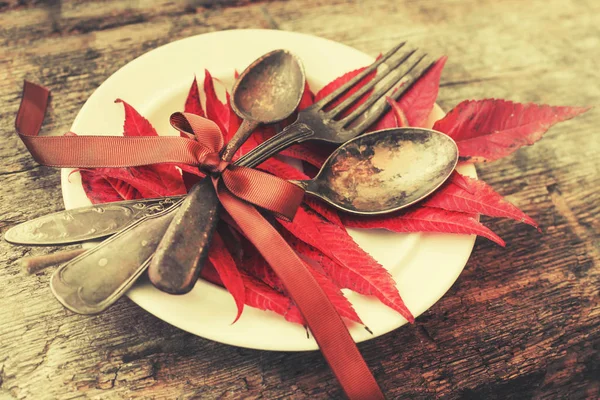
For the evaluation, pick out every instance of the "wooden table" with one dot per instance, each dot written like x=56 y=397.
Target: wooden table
x=520 y=322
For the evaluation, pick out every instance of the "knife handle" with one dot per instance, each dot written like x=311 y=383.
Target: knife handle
x=183 y=250
x=93 y=281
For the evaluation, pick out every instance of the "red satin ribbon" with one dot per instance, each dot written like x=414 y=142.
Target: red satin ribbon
x=237 y=188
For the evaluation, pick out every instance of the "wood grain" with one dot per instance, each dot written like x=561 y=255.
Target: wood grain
x=520 y=322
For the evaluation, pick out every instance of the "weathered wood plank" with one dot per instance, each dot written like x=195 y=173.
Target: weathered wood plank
x=521 y=322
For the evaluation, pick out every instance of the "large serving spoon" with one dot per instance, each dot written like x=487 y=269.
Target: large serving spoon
x=268 y=91
x=379 y=172
x=384 y=171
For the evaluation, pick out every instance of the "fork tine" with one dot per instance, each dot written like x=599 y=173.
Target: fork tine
x=348 y=85
x=343 y=106
x=373 y=112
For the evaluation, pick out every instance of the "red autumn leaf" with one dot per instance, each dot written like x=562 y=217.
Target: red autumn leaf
x=479 y=199
x=387 y=121
x=486 y=130
x=460 y=181
x=135 y=124
x=332 y=86
x=418 y=101
x=226 y=268
x=334 y=294
x=100 y=188
x=116 y=184
x=216 y=111
x=349 y=265
x=255 y=265
x=165 y=175
x=324 y=210
x=414 y=106
x=190 y=174
x=425 y=219
x=210 y=274
x=234 y=121
x=192 y=102
x=259 y=295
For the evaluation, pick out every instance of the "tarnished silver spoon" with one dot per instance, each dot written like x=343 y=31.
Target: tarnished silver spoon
x=384 y=171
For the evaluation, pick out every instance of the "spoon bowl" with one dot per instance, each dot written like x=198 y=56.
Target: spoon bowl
x=270 y=89
x=385 y=171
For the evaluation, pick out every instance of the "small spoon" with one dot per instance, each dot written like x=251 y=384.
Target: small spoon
x=384 y=171
x=268 y=91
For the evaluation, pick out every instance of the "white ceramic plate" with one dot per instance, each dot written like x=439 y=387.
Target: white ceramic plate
x=423 y=265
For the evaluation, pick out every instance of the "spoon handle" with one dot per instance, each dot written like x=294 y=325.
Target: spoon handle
x=292 y=134
x=93 y=281
x=242 y=134
x=184 y=247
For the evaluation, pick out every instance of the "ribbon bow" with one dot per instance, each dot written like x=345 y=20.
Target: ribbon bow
x=238 y=188
x=256 y=187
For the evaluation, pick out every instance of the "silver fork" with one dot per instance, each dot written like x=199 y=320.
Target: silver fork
x=318 y=123
x=90 y=283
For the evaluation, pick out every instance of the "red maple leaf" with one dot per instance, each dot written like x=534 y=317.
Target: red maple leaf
x=192 y=102
x=349 y=266
x=486 y=130
x=425 y=219
x=414 y=107
x=477 y=198
x=216 y=111
x=225 y=266
x=113 y=184
x=259 y=295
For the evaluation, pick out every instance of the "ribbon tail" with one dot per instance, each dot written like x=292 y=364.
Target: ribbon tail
x=108 y=151
x=326 y=325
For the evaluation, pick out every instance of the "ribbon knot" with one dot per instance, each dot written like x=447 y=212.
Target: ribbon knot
x=213 y=165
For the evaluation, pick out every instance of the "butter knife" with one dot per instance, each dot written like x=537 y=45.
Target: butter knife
x=85 y=223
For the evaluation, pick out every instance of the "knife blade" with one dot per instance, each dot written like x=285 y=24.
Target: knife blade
x=85 y=223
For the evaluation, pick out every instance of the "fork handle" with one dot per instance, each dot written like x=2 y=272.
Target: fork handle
x=292 y=134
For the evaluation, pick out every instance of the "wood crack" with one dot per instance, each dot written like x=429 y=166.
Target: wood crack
x=20 y=171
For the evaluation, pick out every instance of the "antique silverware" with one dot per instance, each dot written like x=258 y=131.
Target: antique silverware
x=268 y=91
x=177 y=264
x=91 y=282
x=143 y=243
x=384 y=171
x=85 y=223
x=376 y=173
